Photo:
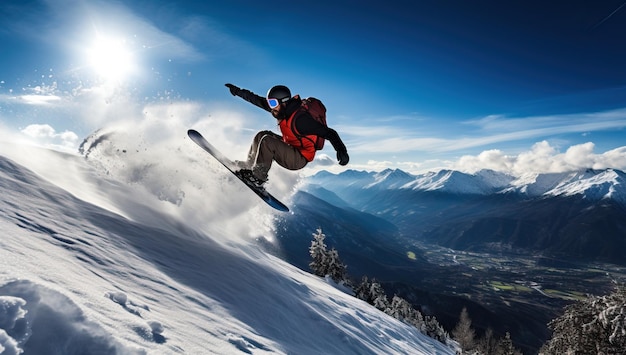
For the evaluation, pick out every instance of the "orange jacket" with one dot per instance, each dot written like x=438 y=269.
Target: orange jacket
x=305 y=144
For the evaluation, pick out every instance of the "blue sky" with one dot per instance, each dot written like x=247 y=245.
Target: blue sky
x=409 y=84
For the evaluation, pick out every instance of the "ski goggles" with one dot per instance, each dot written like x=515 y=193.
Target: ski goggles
x=273 y=103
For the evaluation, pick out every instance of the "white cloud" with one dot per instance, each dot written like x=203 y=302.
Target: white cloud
x=491 y=159
x=39 y=99
x=39 y=131
x=39 y=95
x=544 y=158
x=46 y=135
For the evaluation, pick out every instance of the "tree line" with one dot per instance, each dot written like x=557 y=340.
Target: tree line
x=325 y=262
x=595 y=325
x=488 y=344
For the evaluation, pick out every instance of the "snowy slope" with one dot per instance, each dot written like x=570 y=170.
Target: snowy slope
x=141 y=255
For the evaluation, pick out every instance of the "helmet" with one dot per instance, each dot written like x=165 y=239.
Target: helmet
x=279 y=92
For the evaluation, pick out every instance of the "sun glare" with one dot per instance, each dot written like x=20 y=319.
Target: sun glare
x=111 y=59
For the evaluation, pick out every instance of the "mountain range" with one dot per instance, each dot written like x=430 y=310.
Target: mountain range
x=591 y=184
x=571 y=215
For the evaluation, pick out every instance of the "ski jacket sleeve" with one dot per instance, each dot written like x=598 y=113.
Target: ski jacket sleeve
x=251 y=97
x=306 y=125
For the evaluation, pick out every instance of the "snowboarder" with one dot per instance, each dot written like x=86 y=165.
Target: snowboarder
x=296 y=147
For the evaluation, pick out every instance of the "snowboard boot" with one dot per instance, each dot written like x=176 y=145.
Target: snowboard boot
x=248 y=177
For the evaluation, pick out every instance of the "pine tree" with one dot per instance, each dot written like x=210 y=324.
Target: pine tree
x=591 y=326
x=505 y=346
x=416 y=319
x=434 y=330
x=463 y=332
x=318 y=253
x=326 y=262
x=362 y=291
x=335 y=268
x=488 y=343
x=400 y=308
x=378 y=296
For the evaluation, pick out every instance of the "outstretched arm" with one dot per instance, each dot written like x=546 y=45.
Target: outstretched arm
x=249 y=96
x=305 y=124
x=340 y=148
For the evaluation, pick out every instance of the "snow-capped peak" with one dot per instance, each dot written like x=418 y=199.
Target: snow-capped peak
x=391 y=179
x=591 y=184
x=482 y=182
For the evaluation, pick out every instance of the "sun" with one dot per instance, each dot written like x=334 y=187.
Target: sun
x=111 y=59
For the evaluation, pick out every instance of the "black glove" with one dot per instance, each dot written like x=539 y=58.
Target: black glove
x=343 y=157
x=234 y=90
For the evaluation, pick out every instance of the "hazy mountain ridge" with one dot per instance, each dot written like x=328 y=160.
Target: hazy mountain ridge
x=592 y=184
x=575 y=214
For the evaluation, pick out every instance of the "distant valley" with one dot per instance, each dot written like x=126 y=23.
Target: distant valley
x=512 y=250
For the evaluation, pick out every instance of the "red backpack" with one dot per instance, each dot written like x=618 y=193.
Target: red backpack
x=317 y=110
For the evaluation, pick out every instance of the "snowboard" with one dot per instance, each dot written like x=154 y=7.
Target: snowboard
x=228 y=164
